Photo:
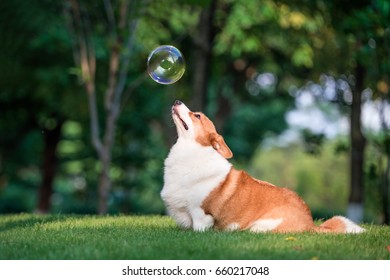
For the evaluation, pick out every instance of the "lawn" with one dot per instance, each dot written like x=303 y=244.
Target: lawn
x=29 y=236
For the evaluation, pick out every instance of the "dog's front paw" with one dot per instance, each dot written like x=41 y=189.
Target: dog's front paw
x=204 y=223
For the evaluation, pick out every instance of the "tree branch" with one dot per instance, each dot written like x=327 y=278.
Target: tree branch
x=110 y=17
x=120 y=85
x=87 y=63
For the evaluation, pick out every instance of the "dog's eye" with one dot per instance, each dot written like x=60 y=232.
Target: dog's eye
x=197 y=116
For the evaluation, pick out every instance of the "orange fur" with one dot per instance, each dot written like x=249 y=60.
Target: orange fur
x=207 y=135
x=332 y=225
x=243 y=200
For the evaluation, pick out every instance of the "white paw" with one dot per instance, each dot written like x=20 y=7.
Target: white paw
x=204 y=223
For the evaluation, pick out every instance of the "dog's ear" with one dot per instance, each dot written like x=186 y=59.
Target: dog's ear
x=220 y=146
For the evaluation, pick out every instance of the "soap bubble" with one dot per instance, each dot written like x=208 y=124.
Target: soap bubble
x=166 y=65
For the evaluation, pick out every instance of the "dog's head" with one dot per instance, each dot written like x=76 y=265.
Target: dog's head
x=197 y=127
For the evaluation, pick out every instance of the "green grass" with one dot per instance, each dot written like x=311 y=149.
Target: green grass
x=28 y=236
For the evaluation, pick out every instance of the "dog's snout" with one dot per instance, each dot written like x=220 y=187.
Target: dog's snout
x=178 y=102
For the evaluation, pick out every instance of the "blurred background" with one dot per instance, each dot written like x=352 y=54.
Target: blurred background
x=299 y=89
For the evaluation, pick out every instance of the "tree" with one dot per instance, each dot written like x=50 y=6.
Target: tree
x=122 y=24
x=33 y=91
x=371 y=19
x=203 y=42
x=243 y=58
x=260 y=50
x=348 y=30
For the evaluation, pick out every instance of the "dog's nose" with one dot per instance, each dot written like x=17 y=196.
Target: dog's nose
x=178 y=102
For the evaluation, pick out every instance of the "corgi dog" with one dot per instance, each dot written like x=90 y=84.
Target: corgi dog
x=202 y=190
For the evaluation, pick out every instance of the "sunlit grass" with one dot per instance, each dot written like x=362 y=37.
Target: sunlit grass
x=157 y=237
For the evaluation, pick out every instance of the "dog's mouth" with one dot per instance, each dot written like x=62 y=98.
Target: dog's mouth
x=181 y=120
x=184 y=124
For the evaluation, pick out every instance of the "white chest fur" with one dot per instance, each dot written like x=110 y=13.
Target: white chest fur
x=192 y=171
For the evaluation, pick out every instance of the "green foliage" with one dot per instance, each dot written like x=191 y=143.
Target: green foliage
x=40 y=91
x=295 y=41
x=166 y=22
x=34 y=87
x=271 y=31
x=312 y=142
x=252 y=122
x=30 y=237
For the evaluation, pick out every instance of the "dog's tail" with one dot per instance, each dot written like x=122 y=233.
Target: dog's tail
x=339 y=224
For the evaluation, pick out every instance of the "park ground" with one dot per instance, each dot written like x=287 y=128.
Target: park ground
x=28 y=236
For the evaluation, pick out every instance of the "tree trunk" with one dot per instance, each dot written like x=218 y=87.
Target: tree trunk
x=358 y=143
x=385 y=170
x=118 y=70
x=49 y=166
x=105 y=155
x=117 y=76
x=224 y=110
x=386 y=185
x=104 y=182
x=203 y=54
